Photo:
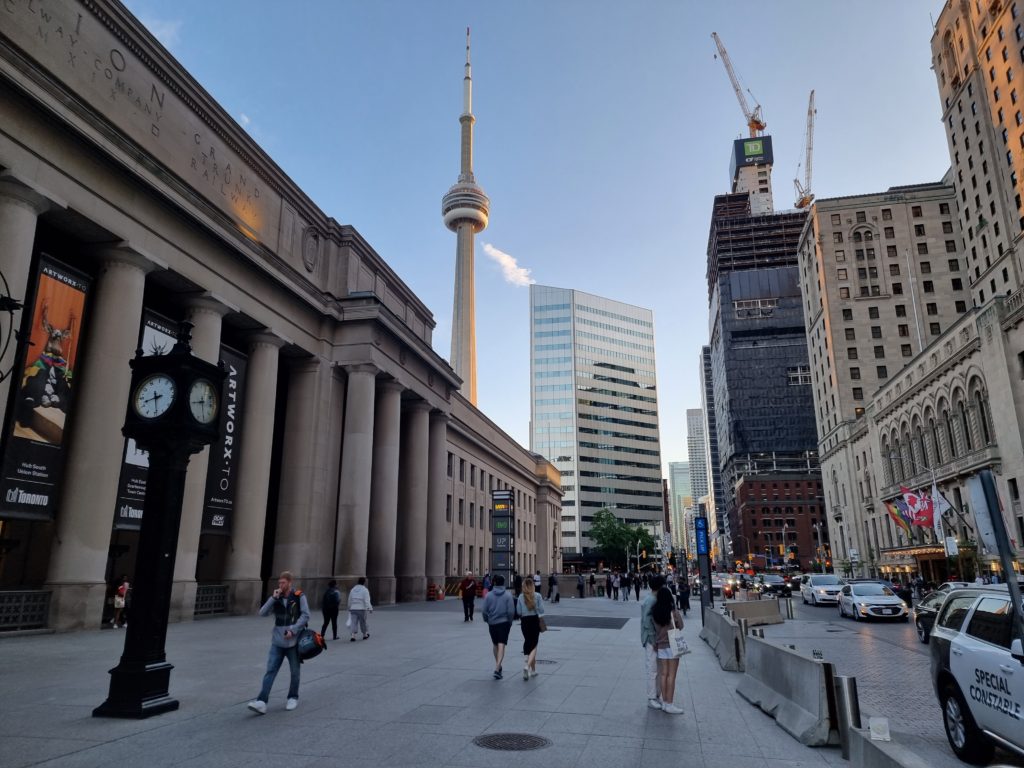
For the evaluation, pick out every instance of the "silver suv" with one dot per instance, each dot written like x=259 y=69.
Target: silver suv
x=978 y=673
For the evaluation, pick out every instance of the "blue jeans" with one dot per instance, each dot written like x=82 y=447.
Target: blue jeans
x=274 y=660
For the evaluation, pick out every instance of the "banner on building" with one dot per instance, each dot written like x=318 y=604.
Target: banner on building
x=34 y=455
x=157 y=336
x=222 y=471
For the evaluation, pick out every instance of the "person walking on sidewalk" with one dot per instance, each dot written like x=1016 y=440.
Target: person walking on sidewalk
x=616 y=581
x=684 y=594
x=120 y=601
x=329 y=607
x=358 y=606
x=552 y=585
x=531 y=608
x=291 y=615
x=498 y=611
x=579 y=584
x=636 y=586
x=468 y=588
x=648 y=635
x=666 y=616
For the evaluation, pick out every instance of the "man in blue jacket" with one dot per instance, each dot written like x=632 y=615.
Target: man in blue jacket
x=291 y=615
x=499 y=612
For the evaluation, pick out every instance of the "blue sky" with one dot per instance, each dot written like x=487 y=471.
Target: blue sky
x=603 y=131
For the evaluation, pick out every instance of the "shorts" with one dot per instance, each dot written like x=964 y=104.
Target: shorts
x=499 y=632
x=118 y=601
x=666 y=653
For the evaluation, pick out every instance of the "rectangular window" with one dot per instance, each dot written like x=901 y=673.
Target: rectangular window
x=905 y=350
x=901 y=310
x=926 y=267
x=851 y=334
x=882 y=371
x=890 y=251
x=836 y=220
x=844 y=293
x=462 y=472
x=944 y=209
x=855 y=373
x=851 y=353
x=847 y=314
x=957 y=284
x=947 y=227
x=919 y=230
x=961 y=306
x=841 y=274
x=935 y=329
x=903 y=330
x=861 y=217
x=858 y=393
x=894 y=270
x=932 y=308
x=951 y=246
x=922 y=249
x=462 y=511
x=887 y=214
x=915 y=211
x=448 y=508
x=897 y=289
x=450 y=462
x=879 y=352
x=840 y=255
x=472 y=515
x=890 y=233
x=873 y=313
x=876 y=331
x=929 y=286
x=837 y=237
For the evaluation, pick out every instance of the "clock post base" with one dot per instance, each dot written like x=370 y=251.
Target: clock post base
x=138 y=691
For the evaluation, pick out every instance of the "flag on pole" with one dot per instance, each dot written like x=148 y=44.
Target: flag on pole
x=897 y=517
x=920 y=508
x=940 y=507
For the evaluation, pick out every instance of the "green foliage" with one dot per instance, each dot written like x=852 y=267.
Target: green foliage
x=617 y=539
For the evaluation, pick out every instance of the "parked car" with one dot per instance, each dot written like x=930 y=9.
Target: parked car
x=977 y=668
x=946 y=586
x=818 y=588
x=731 y=584
x=925 y=613
x=871 y=600
x=773 y=584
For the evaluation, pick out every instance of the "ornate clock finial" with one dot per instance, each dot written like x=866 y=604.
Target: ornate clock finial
x=184 y=343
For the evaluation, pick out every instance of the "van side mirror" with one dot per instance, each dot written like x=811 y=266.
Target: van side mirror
x=1017 y=650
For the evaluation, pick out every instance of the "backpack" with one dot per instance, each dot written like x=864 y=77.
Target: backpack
x=311 y=644
x=121 y=591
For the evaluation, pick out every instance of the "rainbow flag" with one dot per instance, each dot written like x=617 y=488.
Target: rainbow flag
x=899 y=514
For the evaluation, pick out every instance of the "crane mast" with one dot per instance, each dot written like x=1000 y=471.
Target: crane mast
x=755 y=123
x=804 y=196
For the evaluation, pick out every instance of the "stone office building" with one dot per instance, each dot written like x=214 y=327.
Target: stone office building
x=129 y=201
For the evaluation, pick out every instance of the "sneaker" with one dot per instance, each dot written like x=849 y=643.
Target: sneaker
x=292 y=704
x=352 y=639
x=672 y=709
x=533 y=673
x=497 y=674
x=526 y=673
x=654 y=703
x=366 y=636
x=259 y=707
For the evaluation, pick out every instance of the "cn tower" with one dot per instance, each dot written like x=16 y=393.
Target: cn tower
x=465 y=209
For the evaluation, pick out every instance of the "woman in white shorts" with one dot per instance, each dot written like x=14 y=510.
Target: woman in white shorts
x=664 y=614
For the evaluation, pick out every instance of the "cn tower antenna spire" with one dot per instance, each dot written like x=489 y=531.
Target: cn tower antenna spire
x=465 y=210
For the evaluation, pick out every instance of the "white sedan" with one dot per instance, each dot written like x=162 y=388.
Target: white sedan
x=871 y=600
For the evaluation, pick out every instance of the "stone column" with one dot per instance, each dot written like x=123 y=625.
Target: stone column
x=380 y=565
x=310 y=463
x=356 y=465
x=96 y=446
x=412 y=503
x=248 y=517
x=438 y=485
x=20 y=209
x=205 y=313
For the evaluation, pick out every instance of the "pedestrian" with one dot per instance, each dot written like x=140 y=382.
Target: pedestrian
x=616 y=581
x=648 y=634
x=608 y=585
x=624 y=583
x=487 y=582
x=552 y=585
x=684 y=594
x=636 y=586
x=531 y=608
x=467 y=588
x=665 y=616
x=498 y=612
x=517 y=583
x=329 y=606
x=358 y=606
x=579 y=584
x=537 y=581
x=121 y=592
x=291 y=615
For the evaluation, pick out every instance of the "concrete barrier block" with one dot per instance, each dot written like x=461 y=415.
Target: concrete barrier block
x=865 y=753
x=791 y=688
x=722 y=634
x=757 y=612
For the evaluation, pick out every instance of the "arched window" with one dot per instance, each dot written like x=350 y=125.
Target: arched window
x=965 y=424
x=950 y=439
x=981 y=404
x=936 y=443
x=923 y=450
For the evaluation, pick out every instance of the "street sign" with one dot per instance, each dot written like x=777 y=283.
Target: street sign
x=700 y=527
x=503 y=544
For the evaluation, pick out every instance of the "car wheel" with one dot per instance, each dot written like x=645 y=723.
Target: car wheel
x=969 y=744
x=922 y=633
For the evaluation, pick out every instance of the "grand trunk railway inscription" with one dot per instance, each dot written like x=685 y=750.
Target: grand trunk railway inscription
x=81 y=46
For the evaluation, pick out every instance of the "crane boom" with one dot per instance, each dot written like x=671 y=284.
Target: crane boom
x=804 y=196
x=754 y=121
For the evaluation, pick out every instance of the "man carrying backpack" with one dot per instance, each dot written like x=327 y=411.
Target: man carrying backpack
x=329 y=606
x=291 y=615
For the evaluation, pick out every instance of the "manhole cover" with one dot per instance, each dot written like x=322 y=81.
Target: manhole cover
x=511 y=742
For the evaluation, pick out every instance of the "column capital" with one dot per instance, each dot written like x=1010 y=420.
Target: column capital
x=123 y=254
x=418 y=406
x=266 y=339
x=440 y=417
x=18 y=192
x=390 y=385
x=351 y=368
x=209 y=302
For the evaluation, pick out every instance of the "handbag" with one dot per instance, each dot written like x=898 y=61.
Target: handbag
x=676 y=642
x=542 y=624
x=310 y=644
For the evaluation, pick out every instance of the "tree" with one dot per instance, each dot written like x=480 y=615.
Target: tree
x=618 y=540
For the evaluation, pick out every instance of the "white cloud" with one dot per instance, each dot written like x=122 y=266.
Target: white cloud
x=510 y=269
x=167 y=32
x=244 y=119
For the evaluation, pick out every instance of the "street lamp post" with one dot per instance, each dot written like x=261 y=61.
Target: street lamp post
x=817 y=545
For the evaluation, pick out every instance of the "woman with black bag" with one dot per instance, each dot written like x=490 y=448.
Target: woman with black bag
x=531 y=611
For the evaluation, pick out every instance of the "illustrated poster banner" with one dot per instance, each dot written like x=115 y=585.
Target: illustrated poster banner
x=157 y=337
x=222 y=471
x=33 y=461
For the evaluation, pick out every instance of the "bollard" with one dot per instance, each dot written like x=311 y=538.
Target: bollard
x=788 y=605
x=847 y=710
x=757 y=632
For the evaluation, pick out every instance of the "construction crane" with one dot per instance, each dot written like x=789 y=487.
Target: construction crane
x=754 y=120
x=804 y=196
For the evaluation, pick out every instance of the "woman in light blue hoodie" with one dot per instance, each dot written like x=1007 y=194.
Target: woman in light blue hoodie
x=499 y=612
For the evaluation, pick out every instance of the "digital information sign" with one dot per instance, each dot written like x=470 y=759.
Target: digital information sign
x=503 y=543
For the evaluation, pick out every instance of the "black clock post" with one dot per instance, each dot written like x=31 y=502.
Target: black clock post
x=173 y=412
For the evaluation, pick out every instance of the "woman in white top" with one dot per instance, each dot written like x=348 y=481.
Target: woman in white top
x=358 y=606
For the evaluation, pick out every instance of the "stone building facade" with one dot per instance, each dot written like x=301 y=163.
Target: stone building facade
x=116 y=166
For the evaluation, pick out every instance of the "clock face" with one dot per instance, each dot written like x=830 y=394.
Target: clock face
x=154 y=396
x=202 y=401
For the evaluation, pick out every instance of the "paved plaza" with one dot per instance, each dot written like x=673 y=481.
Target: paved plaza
x=416 y=693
